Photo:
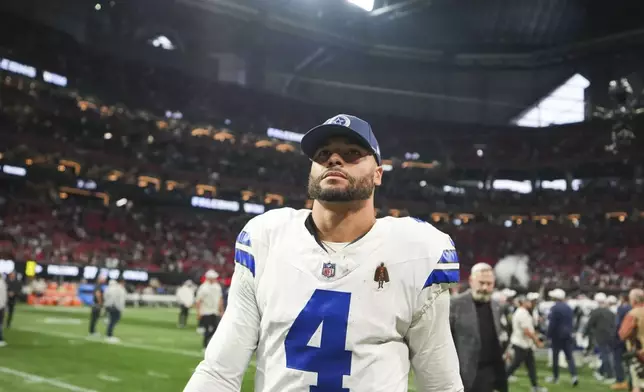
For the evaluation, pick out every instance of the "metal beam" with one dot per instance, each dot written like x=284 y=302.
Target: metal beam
x=407 y=5
x=302 y=66
x=528 y=59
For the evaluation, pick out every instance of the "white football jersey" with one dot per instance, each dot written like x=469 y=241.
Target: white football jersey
x=347 y=321
x=209 y=296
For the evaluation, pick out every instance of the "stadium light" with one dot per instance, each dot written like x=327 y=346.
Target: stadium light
x=366 y=5
x=162 y=42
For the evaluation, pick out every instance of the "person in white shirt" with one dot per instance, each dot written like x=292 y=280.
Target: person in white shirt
x=523 y=341
x=210 y=305
x=115 y=295
x=186 y=298
x=4 y=298
x=333 y=299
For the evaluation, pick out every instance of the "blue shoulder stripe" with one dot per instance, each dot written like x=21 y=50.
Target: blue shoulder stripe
x=244 y=238
x=246 y=259
x=449 y=256
x=442 y=276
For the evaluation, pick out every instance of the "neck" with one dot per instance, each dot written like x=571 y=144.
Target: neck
x=343 y=222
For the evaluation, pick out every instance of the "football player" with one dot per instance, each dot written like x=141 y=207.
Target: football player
x=333 y=299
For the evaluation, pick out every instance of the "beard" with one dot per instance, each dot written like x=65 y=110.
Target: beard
x=358 y=189
x=481 y=296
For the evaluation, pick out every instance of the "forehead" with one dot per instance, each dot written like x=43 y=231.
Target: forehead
x=483 y=275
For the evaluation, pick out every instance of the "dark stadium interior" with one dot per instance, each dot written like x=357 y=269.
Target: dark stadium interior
x=157 y=158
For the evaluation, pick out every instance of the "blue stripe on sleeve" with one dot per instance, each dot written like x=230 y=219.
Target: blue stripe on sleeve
x=244 y=238
x=449 y=256
x=246 y=259
x=442 y=276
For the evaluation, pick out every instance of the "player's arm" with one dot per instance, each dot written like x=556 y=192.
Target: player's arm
x=237 y=335
x=629 y=325
x=432 y=350
x=527 y=326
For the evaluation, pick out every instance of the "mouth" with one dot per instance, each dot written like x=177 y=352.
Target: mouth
x=335 y=174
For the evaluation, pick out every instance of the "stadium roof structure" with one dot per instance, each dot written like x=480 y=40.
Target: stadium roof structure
x=472 y=61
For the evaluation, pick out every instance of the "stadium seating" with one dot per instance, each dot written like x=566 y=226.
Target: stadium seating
x=110 y=125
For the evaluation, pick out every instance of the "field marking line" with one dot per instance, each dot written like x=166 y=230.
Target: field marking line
x=152 y=373
x=194 y=354
x=62 y=321
x=107 y=377
x=39 y=379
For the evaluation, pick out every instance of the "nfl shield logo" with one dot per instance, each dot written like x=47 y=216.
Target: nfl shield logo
x=328 y=270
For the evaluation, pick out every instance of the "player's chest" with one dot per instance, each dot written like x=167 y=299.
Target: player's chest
x=364 y=293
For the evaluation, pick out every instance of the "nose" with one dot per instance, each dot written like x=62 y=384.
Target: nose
x=334 y=160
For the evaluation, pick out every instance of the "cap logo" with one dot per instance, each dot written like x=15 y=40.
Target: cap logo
x=339 y=120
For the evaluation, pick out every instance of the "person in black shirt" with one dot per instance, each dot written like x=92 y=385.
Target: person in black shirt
x=97 y=306
x=14 y=288
x=477 y=343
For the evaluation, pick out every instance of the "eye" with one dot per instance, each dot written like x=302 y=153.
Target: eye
x=322 y=155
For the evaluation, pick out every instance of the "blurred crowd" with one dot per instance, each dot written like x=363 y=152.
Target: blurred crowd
x=119 y=120
x=599 y=254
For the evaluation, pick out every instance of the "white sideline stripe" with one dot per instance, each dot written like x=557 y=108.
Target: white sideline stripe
x=152 y=373
x=39 y=379
x=106 y=377
x=188 y=353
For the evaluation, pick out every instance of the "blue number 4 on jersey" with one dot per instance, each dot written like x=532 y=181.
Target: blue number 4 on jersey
x=330 y=361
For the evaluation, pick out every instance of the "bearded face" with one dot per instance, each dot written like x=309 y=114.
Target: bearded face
x=356 y=188
x=342 y=172
x=482 y=285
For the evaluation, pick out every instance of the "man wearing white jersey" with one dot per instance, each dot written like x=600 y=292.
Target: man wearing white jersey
x=115 y=296
x=186 y=298
x=333 y=299
x=210 y=305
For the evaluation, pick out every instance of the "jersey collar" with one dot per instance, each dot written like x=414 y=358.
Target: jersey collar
x=313 y=230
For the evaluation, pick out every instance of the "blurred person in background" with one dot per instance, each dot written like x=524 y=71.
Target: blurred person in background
x=601 y=327
x=38 y=287
x=620 y=347
x=14 y=289
x=186 y=298
x=209 y=305
x=612 y=303
x=97 y=306
x=632 y=333
x=3 y=305
x=115 y=296
x=479 y=351
x=560 y=330
x=523 y=341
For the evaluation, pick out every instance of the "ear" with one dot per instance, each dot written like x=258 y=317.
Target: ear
x=377 y=176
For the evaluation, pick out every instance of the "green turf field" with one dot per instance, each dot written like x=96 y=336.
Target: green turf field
x=49 y=351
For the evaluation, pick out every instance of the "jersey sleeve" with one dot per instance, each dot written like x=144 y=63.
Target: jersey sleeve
x=237 y=335
x=432 y=351
x=443 y=265
x=429 y=337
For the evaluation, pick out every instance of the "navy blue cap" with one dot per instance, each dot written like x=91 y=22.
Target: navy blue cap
x=343 y=125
